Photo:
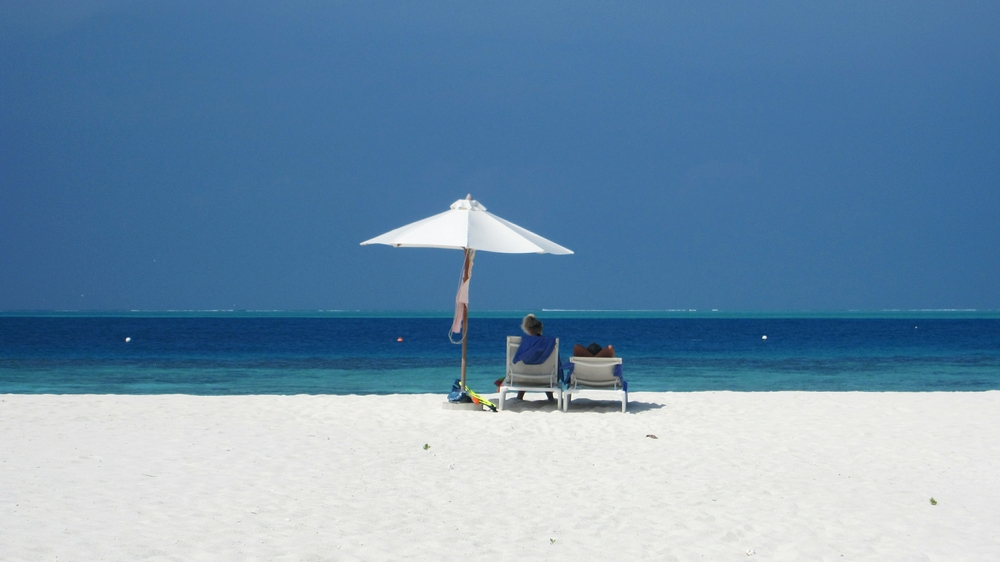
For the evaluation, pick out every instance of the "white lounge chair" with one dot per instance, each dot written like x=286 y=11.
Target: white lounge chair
x=531 y=378
x=595 y=375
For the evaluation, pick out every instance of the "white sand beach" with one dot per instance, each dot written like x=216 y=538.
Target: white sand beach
x=730 y=476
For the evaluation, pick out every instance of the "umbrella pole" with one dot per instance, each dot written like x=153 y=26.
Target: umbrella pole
x=466 y=274
x=465 y=322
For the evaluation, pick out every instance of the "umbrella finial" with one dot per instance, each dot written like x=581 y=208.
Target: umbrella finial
x=467 y=204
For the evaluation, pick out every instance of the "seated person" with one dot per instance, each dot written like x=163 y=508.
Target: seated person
x=593 y=350
x=531 y=326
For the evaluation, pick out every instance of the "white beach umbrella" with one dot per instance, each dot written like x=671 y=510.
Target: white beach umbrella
x=467 y=226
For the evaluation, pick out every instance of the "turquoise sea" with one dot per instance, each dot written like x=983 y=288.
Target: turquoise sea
x=226 y=352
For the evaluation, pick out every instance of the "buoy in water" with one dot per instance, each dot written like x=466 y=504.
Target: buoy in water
x=763 y=337
x=128 y=340
x=399 y=339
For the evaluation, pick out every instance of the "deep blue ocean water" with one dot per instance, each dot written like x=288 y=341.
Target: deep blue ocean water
x=355 y=353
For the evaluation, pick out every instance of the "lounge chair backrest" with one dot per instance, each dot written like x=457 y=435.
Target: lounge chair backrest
x=520 y=373
x=596 y=372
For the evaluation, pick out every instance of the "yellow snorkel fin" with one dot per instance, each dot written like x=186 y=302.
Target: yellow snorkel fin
x=477 y=398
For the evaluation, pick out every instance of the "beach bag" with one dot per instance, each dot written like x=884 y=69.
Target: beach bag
x=457 y=394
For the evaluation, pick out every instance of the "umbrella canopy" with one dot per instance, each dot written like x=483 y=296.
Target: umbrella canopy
x=467 y=226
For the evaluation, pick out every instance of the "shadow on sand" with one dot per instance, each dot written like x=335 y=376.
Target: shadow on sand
x=577 y=405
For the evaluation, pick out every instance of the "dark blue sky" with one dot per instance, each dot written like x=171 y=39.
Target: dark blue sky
x=740 y=155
